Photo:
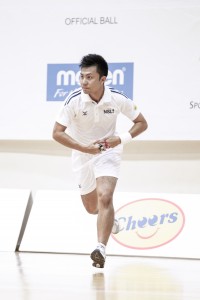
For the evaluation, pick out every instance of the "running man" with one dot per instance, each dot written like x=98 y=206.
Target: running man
x=86 y=123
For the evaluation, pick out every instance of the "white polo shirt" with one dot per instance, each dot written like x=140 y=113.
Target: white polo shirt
x=89 y=121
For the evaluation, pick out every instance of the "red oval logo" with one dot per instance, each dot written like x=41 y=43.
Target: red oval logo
x=148 y=223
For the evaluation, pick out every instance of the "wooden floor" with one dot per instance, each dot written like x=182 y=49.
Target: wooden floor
x=41 y=276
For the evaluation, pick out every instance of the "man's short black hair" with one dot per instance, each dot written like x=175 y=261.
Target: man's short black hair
x=95 y=60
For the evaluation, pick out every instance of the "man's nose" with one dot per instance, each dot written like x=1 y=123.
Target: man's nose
x=84 y=81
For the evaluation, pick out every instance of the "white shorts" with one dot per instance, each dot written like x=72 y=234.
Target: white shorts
x=88 y=167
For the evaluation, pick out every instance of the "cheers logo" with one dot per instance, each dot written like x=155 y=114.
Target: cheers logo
x=149 y=223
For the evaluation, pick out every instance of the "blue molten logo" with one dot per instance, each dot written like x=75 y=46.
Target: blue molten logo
x=63 y=78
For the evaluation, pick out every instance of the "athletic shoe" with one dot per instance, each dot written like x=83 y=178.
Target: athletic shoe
x=98 y=258
x=116 y=227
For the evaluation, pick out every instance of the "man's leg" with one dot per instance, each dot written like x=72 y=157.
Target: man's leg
x=100 y=201
x=105 y=189
x=105 y=219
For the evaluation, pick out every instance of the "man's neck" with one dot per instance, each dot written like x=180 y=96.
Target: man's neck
x=97 y=96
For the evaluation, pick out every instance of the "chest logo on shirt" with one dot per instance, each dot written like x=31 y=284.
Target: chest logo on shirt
x=84 y=113
x=109 y=111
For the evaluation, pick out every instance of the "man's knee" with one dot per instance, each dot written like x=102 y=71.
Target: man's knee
x=105 y=199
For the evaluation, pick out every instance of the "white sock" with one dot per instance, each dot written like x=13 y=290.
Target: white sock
x=102 y=248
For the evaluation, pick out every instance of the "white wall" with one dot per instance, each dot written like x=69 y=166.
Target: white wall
x=160 y=38
x=168 y=167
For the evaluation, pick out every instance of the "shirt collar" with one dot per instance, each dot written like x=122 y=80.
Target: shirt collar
x=106 y=96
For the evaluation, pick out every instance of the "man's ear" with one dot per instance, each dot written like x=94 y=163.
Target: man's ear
x=103 y=79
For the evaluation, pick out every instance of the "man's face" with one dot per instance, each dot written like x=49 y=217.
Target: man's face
x=90 y=80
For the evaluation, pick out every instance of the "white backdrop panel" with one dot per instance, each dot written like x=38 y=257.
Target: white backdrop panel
x=13 y=203
x=161 y=38
x=59 y=223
